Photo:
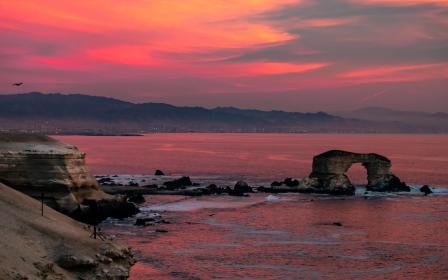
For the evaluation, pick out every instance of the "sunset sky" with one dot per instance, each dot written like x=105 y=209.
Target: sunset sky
x=296 y=55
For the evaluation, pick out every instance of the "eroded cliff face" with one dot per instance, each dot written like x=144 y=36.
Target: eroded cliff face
x=36 y=165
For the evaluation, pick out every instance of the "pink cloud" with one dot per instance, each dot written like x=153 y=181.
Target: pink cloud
x=397 y=73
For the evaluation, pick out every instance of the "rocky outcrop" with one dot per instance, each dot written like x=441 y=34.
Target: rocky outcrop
x=178 y=183
x=329 y=170
x=328 y=175
x=426 y=189
x=36 y=165
x=159 y=173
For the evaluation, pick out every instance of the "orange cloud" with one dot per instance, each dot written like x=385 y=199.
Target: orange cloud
x=179 y=24
x=401 y=2
x=269 y=68
x=327 y=22
x=255 y=69
x=398 y=73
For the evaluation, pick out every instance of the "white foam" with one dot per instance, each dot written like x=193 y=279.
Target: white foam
x=211 y=202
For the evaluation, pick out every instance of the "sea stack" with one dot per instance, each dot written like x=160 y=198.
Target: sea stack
x=329 y=170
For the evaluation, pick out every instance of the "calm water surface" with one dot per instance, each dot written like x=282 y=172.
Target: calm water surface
x=287 y=236
x=420 y=159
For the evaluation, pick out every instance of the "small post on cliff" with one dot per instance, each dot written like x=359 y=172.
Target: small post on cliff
x=42 y=201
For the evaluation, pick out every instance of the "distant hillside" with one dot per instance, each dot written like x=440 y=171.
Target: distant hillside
x=418 y=120
x=84 y=114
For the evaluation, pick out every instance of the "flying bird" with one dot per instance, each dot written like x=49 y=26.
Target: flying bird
x=17 y=84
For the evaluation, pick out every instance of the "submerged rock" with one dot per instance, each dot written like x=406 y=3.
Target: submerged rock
x=150 y=220
x=159 y=173
x=287 y=185
x=426 y=190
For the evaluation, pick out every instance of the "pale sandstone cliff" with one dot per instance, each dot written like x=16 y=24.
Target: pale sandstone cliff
x=36 y=165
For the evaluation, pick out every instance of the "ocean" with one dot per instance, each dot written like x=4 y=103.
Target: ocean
x=284 y=236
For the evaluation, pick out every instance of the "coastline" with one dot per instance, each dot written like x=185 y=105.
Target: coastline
x=172 y=197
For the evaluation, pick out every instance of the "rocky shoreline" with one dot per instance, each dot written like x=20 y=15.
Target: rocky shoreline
x=327 y=177
x=56 y=174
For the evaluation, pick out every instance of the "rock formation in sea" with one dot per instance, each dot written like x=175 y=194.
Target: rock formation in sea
x=329 y=170
x=329 y=175
x=36 y=165
x=53 y=246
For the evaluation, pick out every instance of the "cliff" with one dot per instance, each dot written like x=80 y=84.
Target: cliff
x=52 y=246
x=36 y=165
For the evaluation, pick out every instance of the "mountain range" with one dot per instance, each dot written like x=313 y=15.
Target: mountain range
x=419 y=120
x=84 y=114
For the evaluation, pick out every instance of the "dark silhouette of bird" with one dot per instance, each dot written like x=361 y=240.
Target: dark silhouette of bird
x=17 y=84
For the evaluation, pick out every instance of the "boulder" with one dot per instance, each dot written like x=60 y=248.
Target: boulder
x=136 y=198
x=276 y=184
x=93 y=212
x=73 y=262
x=178 y=183
x=426 y=190
x=243 y=187
x=133 y=184
x=290 y=182
x=159 y=173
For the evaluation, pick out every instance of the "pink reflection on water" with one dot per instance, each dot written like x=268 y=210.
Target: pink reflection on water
x=399 y=238
x=416 y=158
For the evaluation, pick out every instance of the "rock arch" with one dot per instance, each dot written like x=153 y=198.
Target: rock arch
x=329 y=170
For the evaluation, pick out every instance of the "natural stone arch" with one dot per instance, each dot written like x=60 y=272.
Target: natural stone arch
x=329 y=172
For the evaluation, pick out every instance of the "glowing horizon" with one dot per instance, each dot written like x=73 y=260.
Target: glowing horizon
x=282 y=54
